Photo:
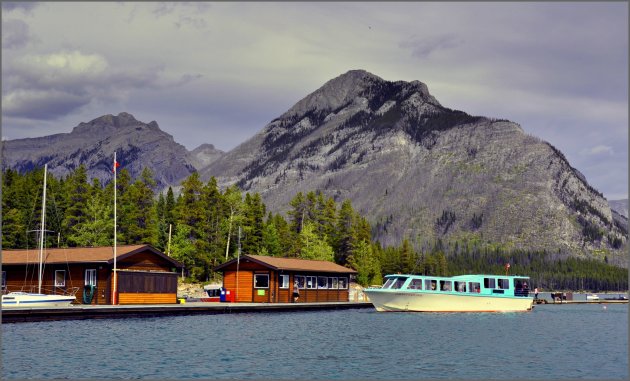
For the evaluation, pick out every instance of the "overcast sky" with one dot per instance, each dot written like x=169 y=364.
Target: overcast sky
x=219 y=72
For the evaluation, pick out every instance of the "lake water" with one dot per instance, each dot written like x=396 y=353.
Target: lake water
x=551 y=342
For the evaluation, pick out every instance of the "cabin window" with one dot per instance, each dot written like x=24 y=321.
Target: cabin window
x=474 y=287
x=398 y=283
x=4 y=280
x=521 y=287
x=343 y=283
x=430 y=284
x=460 y=286
x=446 y=285
x=504 y=283
x=311 y=282
x=389 y=282
x=488 y=282
x=332 y=283
x=261 y=280
x=301 y=281
x=284 y=281
x=415 y=284
x=90 y=277
x=60 y=278
x=322 y=282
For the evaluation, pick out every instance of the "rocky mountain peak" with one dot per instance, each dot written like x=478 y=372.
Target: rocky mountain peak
x=108 y=123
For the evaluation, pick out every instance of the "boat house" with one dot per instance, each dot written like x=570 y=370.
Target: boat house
x=145 y=275
x=263 y=279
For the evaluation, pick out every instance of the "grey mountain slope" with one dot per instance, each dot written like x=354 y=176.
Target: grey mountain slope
x=137 y=144
x=619 y=206
x=422 y=171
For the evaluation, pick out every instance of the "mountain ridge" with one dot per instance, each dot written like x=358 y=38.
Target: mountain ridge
x=414 y=168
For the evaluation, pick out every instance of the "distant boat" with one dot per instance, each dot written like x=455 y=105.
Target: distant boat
x=39 y=299
x=463 y=293
x=592 y=297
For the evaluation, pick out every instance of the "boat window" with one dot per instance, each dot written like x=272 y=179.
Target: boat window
x=488 y=282
x=415 y=284
x=322 y=282
x=399 y=282
x=332 y=283
x=430 y=284
x=301 y=281
x=473 y=287
x=311 y=282
x=389 y=282
x=60 y=278
x=504 y=283
x=446 y=285
x=261 y=280
x=521 y=287
x=284 y=280
x=343 y=283
x=90 y=277
x=460 y=286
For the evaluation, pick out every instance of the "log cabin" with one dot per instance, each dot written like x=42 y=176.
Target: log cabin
x=263 y=279
x=145 y=275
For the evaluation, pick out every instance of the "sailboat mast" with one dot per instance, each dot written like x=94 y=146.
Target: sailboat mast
x=41 y=235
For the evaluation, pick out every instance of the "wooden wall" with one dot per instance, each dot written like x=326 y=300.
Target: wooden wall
x=274 y=294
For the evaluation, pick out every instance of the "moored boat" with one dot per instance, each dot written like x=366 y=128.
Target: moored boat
x=38 y=299
x=463 y=293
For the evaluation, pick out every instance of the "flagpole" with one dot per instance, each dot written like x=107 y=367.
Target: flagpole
x=238 y=261
x=115 y=287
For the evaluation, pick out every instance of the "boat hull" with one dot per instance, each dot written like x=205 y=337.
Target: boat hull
x=396 y=300
x=25 y=300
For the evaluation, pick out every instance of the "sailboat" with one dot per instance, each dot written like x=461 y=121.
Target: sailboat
x=27 y=299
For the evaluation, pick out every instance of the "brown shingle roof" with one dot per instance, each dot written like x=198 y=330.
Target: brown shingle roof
x=75 y=254
x=293 y=264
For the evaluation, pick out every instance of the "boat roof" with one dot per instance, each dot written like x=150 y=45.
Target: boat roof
x=457 y=277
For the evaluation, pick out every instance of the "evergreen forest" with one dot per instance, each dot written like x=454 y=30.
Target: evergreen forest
x=208 y=224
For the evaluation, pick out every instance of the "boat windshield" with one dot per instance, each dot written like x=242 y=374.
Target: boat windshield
x=395 y=283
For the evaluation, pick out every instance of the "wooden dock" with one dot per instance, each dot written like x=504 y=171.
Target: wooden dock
x=80 y=312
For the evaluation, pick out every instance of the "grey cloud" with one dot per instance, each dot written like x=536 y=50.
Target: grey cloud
x=22 y=5
x=42 y=104
x=15 y=34
x=423 y=47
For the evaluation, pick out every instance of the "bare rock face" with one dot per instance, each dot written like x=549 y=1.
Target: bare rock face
x=137 y=145
x=419 y=170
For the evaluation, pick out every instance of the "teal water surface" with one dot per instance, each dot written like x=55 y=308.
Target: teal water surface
x=551 y=342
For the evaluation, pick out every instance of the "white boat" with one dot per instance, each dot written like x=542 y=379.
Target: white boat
x=25 y=299
x=39 y=299
x=592 y=297
x=464 y=293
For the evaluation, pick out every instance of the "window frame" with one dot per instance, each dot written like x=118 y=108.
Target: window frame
x=322 y=279
x=301 y=280
x=342 y=283
x=501 y=282
x=311 y=282
x=266 y=275
x=283 y=280
x=90 y=280
x=56 y=278
x=489 y=283
x=428 y=283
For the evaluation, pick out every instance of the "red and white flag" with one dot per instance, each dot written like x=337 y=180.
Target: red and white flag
x=116 y=165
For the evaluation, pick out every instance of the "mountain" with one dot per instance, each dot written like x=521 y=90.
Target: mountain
x=619 y=206
x=138 y=145
x=420 y=170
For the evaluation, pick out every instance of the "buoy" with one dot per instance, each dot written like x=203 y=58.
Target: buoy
x=604 y=307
